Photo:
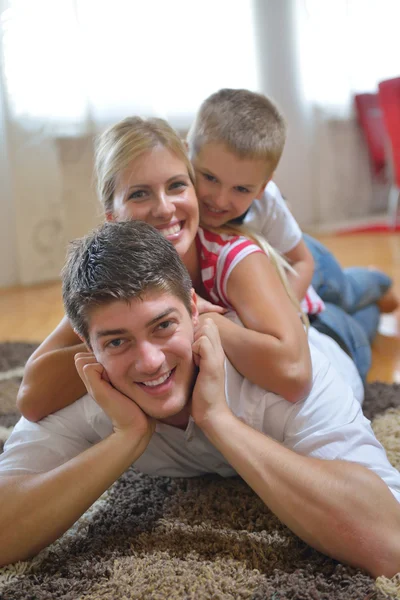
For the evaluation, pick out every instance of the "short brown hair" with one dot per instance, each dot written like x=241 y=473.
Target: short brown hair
x=120 y=261
x=248 y=123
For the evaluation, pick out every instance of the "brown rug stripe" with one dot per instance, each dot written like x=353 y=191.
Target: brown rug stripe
x=201 y=538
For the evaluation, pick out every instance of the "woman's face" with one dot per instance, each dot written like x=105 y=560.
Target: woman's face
x=156 y=188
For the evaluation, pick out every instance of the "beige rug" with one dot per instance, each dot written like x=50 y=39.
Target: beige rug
x=203 y=538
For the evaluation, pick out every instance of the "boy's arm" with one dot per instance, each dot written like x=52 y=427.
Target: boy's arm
x=271 y=350
x=281 y=230
x=301 y=259
x=50 y=380
x=37 y=509
x=338 y=507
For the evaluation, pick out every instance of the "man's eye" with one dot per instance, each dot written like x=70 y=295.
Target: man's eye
x=242 y=190
x=115 y=343
x=166 y=326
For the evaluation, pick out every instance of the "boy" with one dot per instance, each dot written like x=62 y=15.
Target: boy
x=235 y=144
x=168 y=401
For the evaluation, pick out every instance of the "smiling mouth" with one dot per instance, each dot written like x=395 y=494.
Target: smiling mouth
x=172 y=230
x=157 y=382
x=216 y=211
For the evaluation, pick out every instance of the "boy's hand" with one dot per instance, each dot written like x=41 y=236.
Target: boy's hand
x=208 y=398
x=124 y=413
x=204 y=306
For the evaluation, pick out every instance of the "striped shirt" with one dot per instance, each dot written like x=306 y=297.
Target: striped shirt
x=220 y=253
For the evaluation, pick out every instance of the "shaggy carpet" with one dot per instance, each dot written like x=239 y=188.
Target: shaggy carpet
x=164 y=539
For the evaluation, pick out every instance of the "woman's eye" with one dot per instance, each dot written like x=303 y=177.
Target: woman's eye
x=177 y=185
x=137 y=195
x=242 y=189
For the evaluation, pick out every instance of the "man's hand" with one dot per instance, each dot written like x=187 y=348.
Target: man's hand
x=204 y=306
x=208 y=398
x=124 y=413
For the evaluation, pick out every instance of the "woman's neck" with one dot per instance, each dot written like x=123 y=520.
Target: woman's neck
x=192 y=263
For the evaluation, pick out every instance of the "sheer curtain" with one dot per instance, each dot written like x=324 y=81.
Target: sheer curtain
x=344 y=47
x=70 y=68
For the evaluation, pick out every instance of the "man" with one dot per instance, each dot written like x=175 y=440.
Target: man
x=165 y=403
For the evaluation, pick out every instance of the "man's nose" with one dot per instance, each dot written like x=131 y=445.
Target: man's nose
x=149 y=359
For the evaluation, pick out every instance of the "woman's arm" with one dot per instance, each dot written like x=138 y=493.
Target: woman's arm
x=301 y=260
x=272 y=351
x=50 y=380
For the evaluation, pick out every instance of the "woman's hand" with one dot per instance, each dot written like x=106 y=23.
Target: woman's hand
x=204 y=306
x=124 y=413
x=208 y=398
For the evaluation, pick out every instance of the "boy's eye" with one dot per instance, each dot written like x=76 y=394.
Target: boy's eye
x=242 y=190
x=209 y=177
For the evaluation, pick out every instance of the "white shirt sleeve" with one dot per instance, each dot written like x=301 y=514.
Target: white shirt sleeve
x=330 y=425
x=40 y=447
x=271 y=218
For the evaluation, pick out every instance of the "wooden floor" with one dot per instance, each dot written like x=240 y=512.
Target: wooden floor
x=29 y=314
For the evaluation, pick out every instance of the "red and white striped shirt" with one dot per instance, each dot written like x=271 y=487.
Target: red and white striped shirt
x=220 y=253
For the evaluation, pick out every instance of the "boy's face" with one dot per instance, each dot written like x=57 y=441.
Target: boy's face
x=146 y=348
x=226 y=185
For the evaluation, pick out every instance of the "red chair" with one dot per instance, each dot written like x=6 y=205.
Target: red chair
x=389 y=98
x=369 y=116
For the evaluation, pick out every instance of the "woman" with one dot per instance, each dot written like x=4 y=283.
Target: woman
x=143 y=173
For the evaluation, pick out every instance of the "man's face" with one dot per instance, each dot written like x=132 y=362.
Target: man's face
x=226 y=185
x=146 y=348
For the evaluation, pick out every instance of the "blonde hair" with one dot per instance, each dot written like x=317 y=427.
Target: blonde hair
x=127 y=140
x=248 y=123
x=280 y=264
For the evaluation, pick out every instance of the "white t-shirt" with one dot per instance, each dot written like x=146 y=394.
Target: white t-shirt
x=271 y=218
x=329 y=424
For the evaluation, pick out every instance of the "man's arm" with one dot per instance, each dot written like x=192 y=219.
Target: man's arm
x=338 y=507
x=38 y=508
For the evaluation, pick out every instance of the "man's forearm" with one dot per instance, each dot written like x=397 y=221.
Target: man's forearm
x=38 y=509
x=339 y=508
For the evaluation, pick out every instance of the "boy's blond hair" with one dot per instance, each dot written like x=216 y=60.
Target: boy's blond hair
x=249 y=124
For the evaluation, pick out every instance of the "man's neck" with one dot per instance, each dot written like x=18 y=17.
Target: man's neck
x=180 y=420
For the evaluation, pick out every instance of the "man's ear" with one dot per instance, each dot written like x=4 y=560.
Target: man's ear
x=87 y=342
x=193 y=306
x=110 y=216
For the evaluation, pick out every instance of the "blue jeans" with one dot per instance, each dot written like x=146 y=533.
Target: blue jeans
x=352 y=288
x=356 y=331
